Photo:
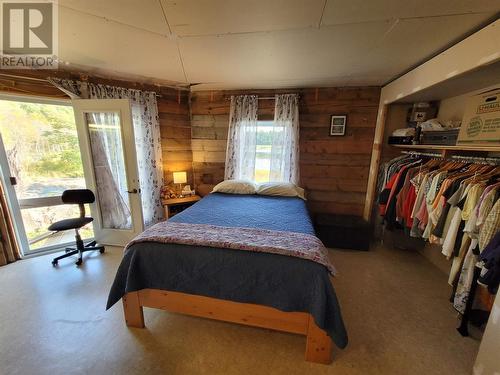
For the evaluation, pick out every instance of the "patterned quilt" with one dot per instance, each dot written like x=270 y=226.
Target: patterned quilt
x=299 y=245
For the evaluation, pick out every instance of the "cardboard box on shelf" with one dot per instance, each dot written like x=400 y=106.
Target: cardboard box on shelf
x=481 y=121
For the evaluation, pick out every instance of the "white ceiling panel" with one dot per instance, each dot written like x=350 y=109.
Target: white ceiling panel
x=106 y=45
x=272 y=84
x=412 y=40
x=143 y=14
x=279 y=56
x=341 y=11
x=210 y=17
x=368 y=80
x=263 y=43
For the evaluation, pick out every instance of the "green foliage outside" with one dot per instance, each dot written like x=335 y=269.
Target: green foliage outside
x=264 y=137
x=42 y=149
x=46 y=137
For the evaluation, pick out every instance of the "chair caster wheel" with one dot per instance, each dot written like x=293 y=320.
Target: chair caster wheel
x=79 y=262
x=54 y=263
x=101 y=251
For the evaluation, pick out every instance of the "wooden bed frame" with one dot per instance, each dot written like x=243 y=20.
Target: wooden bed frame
x=318 y=343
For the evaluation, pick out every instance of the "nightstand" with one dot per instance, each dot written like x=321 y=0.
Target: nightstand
x=176 y=205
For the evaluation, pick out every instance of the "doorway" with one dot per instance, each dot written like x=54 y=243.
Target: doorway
x=106 y=135
x=40 y=158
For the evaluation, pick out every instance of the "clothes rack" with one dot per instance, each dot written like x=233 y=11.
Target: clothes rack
x=456 y=208
x=471 y=159
x=418 y=153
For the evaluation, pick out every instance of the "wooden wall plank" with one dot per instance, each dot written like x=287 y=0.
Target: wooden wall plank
x=334 y=170
x=175 y=128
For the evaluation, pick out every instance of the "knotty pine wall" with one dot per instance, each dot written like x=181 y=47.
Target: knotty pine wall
x=334 y=170
x=173 y=109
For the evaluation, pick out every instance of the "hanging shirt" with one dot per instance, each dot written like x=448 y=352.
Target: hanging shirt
x=451 y=234
x=465 y=281
x=472 y=199
x=439 y=229
x=430 y=200
x=490 y=265
x=490 y=226
x=487 y=200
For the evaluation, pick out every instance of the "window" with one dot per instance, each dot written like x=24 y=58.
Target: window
x=263 y=151
x=40 y=143
x=267 y=146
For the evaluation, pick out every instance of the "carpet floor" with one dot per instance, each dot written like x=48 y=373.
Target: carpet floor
x=395 y=306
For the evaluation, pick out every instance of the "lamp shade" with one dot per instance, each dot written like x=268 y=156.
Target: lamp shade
x=180 y=177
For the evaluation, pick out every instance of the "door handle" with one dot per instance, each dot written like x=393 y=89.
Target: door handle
x=133 y=191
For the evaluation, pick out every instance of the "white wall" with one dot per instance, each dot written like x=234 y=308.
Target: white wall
x=488 y=358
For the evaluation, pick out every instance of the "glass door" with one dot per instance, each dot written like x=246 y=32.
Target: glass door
x=39 y=159
x=106 y=136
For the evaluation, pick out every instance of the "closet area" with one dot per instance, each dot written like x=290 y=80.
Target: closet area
x=451 y=203
x=434 y=184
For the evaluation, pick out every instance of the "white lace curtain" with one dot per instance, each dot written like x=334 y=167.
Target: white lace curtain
x=285 y=139
x=282 y=160
x=242 y=137
x=109 y=170
x=146 y=133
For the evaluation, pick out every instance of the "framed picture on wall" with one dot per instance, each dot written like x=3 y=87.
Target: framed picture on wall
x=337 y=125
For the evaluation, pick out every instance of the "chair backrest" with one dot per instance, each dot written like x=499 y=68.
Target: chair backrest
x=78 y=196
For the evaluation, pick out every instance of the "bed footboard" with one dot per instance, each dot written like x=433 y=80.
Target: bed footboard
x=318 y=343
x=132 y=309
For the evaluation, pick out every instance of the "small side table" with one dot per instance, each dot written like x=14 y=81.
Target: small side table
x=176 y=205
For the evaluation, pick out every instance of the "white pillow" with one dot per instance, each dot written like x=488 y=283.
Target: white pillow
x=285 y=189
x=235 y=187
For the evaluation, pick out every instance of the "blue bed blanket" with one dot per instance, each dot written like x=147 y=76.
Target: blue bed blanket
x=283 y=282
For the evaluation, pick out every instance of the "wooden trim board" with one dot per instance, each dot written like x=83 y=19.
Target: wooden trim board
x=318 y=344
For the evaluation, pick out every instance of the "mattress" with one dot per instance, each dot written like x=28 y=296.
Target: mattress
x=283 y=282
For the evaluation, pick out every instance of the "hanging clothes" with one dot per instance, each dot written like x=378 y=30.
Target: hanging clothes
x=454 y=205
x=490 y=265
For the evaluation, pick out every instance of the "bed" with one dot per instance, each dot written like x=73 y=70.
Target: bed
x=262 y=289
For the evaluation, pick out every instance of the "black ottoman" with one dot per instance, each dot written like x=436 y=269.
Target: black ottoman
x=343 y=231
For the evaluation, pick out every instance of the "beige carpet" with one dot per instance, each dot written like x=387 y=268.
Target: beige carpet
x=52 y=321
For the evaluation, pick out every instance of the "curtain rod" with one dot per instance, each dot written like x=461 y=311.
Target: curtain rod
x=261 y=97
x=493 y=159
x=48 y=82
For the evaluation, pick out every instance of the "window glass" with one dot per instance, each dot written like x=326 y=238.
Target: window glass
x=42 y=148
x=268 y=147
x=43 y=154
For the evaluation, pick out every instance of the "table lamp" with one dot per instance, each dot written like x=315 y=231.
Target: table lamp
x=180 y=178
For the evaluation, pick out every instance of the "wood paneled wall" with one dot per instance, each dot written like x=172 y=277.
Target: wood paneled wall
x=334 y=170
x=175 y=127
x=173 y=109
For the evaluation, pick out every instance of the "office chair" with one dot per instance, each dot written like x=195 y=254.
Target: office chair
x=79 y=197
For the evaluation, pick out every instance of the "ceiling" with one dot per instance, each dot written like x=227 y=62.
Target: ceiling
x=230 y=44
